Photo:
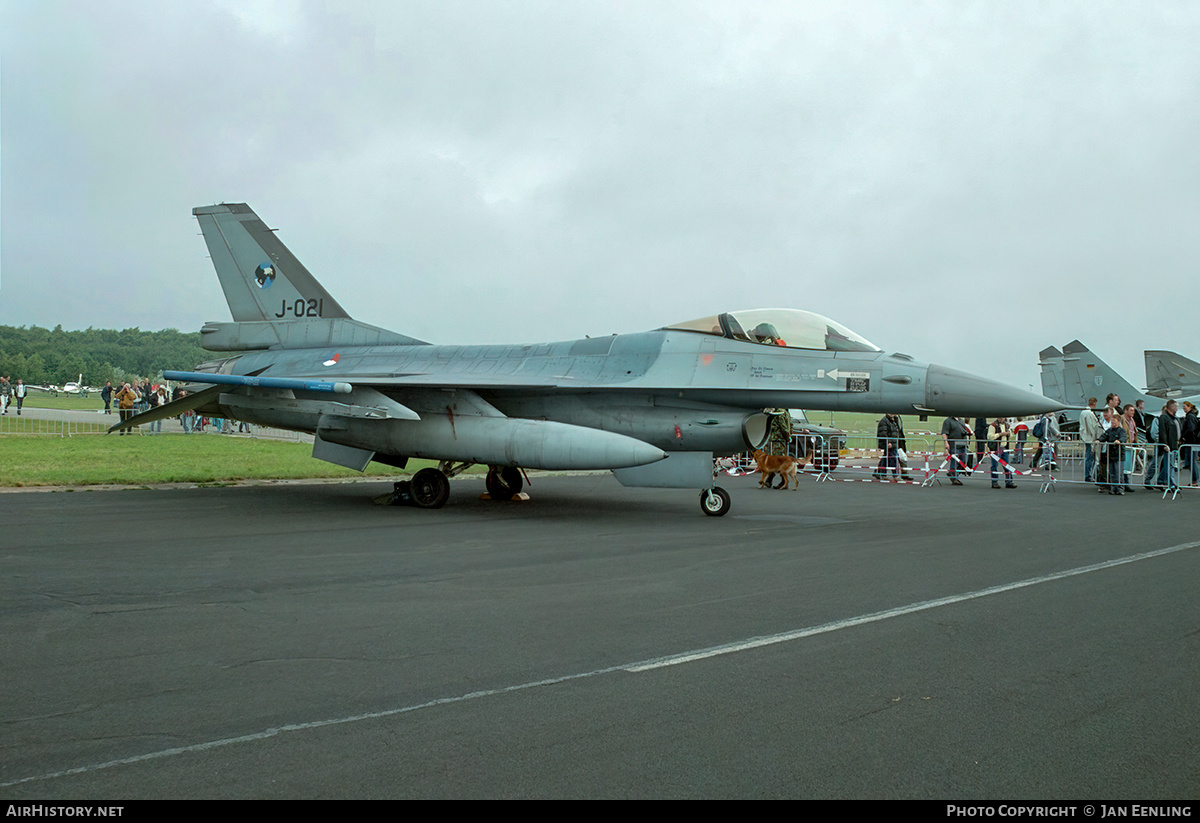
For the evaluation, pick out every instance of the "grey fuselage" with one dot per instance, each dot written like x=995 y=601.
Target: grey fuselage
x=676 y=390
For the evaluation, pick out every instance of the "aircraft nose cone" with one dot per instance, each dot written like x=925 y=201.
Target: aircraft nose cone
x=962 y=394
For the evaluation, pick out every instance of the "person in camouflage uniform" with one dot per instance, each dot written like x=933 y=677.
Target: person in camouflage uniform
x=779 y=438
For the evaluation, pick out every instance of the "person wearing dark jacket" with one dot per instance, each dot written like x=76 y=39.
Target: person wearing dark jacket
x=1168 y=442
x=1113 y=456
x=1189 y=438
x=1142 y=419
x=1147 y=425
x=890 y=435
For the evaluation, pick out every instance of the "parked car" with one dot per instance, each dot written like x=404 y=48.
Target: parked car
x=826 y=441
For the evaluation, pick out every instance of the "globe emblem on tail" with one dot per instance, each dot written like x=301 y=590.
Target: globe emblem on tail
x=264 y=275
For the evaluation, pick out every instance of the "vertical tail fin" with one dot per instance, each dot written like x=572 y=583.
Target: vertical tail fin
x=1171 y=375
x=1086 y=375
x=261 y=279
x=1051 y=361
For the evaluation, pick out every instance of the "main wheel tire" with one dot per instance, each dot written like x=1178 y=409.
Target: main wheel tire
x=430 y=489
x=715 y=501
x=503 y=483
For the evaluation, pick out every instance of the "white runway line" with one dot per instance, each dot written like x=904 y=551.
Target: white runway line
x=756 y=642
x=640 y=666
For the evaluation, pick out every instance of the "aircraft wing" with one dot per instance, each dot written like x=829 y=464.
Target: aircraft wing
x=175 y=407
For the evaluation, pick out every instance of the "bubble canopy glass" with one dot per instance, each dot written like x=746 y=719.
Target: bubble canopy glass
x=792 y=328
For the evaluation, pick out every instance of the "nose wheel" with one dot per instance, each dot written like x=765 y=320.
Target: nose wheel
x=714 y=502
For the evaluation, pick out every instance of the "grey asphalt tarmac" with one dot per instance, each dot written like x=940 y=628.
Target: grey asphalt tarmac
x=297 y=641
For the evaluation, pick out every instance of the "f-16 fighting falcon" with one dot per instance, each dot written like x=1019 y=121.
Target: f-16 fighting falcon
x=654 y=406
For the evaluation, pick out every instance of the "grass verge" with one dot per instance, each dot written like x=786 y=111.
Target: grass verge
x=33 y=460
x=71 y=402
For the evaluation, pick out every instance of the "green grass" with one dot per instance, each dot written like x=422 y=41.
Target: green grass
x=861 y=427
x=33 y=460
x=51 y=460
x=73 y=402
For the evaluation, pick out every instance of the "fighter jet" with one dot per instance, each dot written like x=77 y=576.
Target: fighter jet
x=1170 y=375
x=654 y=406
x=1074 y=374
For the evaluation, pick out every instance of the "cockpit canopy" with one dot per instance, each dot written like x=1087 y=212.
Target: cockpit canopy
x=792 y=328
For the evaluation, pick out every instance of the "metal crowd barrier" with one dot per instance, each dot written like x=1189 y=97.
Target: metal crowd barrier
x=846 y=457
x=857 y=457
x=1117 y=467
x=864 y=461
x=53 y=422
x=65 y=423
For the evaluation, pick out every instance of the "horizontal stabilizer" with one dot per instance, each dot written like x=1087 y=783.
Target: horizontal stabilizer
x=299 y=334
x=172 y=409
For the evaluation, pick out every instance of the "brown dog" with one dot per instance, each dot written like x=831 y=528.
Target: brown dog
x=785 y=466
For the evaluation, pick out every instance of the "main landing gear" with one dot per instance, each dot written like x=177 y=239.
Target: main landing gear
x=430 y=488
x=503 y=482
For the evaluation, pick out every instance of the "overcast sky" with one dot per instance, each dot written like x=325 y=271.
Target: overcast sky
x=964 y=182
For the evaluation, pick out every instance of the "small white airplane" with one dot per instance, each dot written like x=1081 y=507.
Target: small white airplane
x=76 y=387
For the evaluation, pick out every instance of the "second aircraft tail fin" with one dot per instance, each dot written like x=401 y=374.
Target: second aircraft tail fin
x=1051 y=361
x=1171 y=375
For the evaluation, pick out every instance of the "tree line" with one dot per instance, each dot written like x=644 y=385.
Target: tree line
x=52 y=356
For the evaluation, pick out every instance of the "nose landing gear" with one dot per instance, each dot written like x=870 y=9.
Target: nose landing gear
x=714 y=502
